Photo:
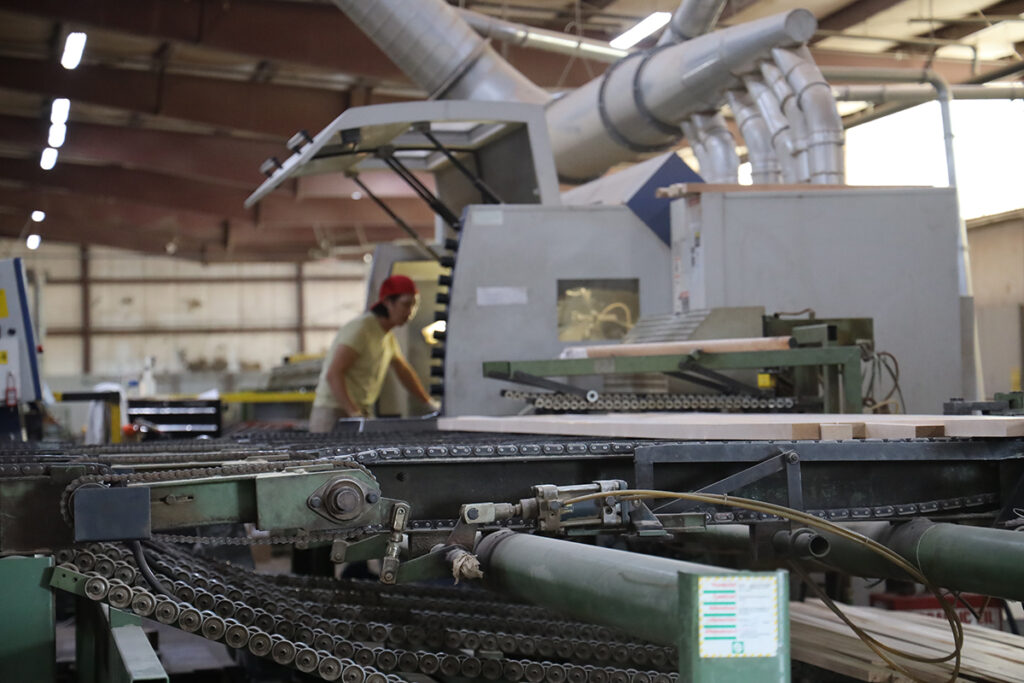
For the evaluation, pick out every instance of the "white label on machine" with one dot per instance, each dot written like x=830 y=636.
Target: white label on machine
x=488 y=216
x=738 y=615
x=501 y=296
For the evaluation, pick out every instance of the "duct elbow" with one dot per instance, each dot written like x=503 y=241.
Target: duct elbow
x=813 y=97
x=764 y=163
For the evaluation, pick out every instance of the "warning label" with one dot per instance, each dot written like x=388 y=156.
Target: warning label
x=738 y=615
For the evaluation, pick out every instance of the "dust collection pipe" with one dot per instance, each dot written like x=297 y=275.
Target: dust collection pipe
x=697 y=145
x=637 y=106
x=962 y=558
x=691 y=19
x=431 y=43
x=777 y=83
x=823 y=123
x=764 y=164
x=637 y=593
x=778 y=125
x=719 y=147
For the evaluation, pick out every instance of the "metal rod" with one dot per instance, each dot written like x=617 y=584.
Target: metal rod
x=918 y=93
x=478 y=183
x=395 y=217
x=420 y=189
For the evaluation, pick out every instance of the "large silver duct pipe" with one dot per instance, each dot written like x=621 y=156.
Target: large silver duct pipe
x=719 y=147
x=776 y=81
x=691 y=19
x=690 y=132
x=823 y=125
x=431 y=43
x=778 y=126
x=600 y=124
x=541 y=39
x=764 y=164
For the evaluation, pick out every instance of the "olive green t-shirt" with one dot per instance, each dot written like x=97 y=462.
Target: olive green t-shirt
x=364 y=380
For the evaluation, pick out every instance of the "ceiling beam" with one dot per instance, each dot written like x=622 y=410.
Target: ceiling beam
x=953 y=70
x=277 y=110
x=220 y=158
x=180 y=194
x=958 y=30
x=852 y=14
x=317 y=34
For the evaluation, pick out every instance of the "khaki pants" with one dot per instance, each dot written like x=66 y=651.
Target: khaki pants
x=323 y=418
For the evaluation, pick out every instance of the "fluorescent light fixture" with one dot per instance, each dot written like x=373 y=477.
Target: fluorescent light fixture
x=643 y=29
x=58 y=131
x=48 y=159
x=60 y=109
x=73 y=48
x=357 y=195
x=33 y=241
x=38 y=216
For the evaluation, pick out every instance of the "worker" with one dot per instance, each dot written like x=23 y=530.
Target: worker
x=354 y=369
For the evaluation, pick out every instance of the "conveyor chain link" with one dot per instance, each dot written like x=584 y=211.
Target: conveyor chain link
x=319 y=626
x=628 y=402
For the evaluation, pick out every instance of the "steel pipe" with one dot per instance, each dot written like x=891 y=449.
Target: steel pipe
x=637 y=106
x=637 y=593
x=691 y=19
x=964 y=558
x=541 y=39
x=764 y=164
x=430 y=42
x=917 y=93
x=719 y=147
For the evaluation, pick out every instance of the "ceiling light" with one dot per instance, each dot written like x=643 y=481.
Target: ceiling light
x=367 y=257
x=640 y=31
x=59 y=110
x=73 y=48
x=58 y=131
x=33 y=241
x=357 y=195
x=48 y=159
x=38 y=216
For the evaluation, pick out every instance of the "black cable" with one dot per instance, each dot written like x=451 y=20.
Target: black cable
x=147 y=573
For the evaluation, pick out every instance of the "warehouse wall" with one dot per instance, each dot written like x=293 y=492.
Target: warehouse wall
x=195 y=318
x=997 y=266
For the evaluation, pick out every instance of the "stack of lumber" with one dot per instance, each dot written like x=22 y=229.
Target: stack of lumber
x=744 y=426
x=818 y=637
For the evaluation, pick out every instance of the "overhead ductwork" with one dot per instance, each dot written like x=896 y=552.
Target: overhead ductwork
x=639 y=103
x=439 y=51
x=722 y=163
x=691 y=19
x=764 y=164
x=783 y=107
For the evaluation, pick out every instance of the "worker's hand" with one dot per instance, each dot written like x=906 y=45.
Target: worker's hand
x=353 y=411
x=435 y=405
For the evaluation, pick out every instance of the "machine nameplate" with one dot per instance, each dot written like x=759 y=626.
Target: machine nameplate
x=739 y=616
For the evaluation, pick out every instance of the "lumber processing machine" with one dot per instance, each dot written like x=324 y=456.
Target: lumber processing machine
x=124 y=529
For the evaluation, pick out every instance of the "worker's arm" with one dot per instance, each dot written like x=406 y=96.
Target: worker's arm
x=407 y=376
x=344 y=358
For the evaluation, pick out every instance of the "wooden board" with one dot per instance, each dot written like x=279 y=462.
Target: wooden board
x=818 y=637
x=743 y=426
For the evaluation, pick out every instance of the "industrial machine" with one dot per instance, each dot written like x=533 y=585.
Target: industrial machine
x=705 y=532
x=527 y=521
x=802 y=365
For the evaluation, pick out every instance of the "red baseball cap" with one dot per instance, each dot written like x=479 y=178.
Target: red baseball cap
x=395 y=286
